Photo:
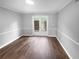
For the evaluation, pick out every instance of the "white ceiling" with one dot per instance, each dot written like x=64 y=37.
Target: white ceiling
x=40 y=6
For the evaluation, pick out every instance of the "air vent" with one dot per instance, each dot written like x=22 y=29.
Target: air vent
x=76 y=0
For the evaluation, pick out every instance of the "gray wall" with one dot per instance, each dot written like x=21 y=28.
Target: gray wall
x=27 y=22
x=68 y=29
x=9 y=26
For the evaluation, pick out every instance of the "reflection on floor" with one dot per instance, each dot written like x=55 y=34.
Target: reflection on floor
x=33 y=48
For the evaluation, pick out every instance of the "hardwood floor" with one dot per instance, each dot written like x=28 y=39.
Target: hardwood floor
x=33 y=48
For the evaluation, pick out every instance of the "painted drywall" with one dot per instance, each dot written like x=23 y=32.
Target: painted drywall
x=9 y=26
x=68 y=29
x=27 y=22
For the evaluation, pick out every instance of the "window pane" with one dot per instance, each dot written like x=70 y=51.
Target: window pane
x=45 y=25
x=36 y=25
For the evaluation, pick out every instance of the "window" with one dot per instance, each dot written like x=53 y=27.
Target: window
x=40 y=23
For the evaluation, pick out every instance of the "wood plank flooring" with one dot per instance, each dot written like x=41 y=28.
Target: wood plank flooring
x=33 y=48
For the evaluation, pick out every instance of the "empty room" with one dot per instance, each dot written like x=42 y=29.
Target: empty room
x=39 y=29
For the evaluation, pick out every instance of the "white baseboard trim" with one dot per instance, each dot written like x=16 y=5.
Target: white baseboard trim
x=64 y=48
x=10 y=42
x=39 y=35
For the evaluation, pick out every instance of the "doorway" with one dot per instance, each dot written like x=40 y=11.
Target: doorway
x=40 y=25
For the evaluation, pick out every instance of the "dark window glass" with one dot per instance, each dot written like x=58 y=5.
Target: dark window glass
x=36 y=25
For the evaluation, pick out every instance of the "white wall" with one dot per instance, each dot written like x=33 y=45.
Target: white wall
x=9 y=26
x=68 y=29
x=27 y=21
